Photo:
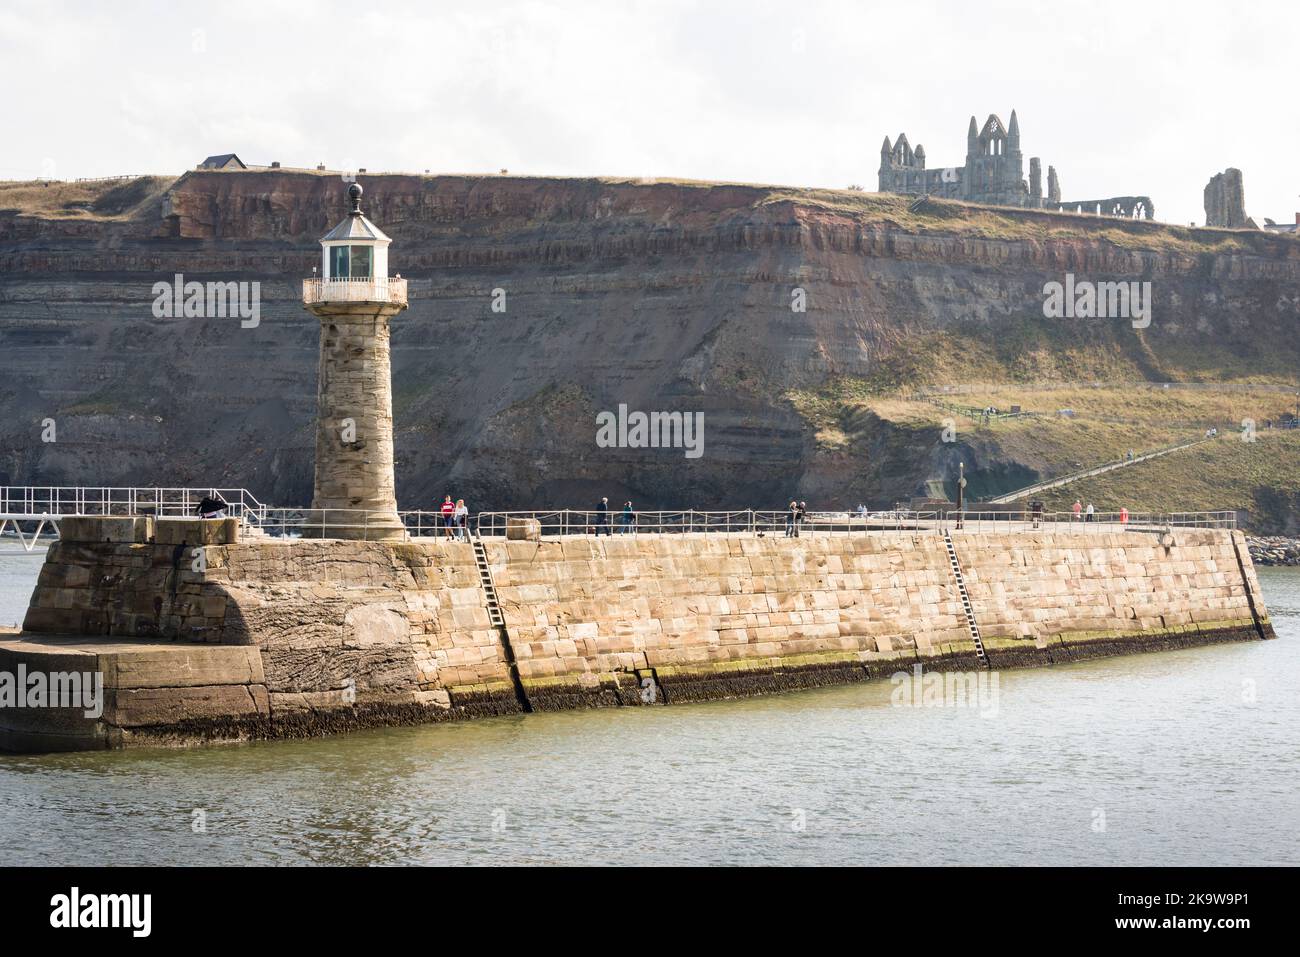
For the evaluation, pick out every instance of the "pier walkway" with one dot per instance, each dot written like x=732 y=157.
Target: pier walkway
x=31 y=514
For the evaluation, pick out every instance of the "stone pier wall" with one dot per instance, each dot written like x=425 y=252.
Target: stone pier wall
x=704 y=616
x=1068 y=594
x=712 y=616
x=350 y=634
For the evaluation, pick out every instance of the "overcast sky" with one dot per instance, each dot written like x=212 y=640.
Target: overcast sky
x=1121 y=97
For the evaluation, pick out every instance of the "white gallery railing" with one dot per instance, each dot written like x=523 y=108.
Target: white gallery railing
x=353 y=290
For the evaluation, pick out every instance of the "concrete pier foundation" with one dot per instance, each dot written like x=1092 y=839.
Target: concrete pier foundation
x=348 y=634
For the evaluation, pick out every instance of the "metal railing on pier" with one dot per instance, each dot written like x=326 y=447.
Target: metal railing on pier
x=55 y=500
x=773 y=522
x=593 y=522
x=1019 y=519
x=356 y=524
x=28 y=512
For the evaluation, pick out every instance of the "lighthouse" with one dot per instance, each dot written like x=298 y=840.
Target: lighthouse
x=355 y=495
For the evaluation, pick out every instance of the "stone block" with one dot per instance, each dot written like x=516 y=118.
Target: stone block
x=181 y=666
x=170 y=706
x=106 y=528
x=54 y=621
x=523 y=529
x=196 y=531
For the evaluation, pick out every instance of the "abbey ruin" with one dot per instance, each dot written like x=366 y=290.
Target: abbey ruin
x=1225 y=201
x=993 y=174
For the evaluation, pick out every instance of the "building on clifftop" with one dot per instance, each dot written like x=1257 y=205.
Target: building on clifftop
x=223 y=161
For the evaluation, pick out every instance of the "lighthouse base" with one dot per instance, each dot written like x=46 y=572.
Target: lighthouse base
x=355 y=526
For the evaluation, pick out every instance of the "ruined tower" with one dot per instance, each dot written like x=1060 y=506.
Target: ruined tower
x=994 y=163
x=902 y=167
x=355 y=496
x=1225 y=201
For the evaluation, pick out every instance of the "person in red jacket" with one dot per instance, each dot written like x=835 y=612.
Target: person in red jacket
x=448 y=511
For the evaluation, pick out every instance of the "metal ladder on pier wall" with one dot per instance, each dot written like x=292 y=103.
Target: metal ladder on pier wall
x=498 y=619
x=966 y=607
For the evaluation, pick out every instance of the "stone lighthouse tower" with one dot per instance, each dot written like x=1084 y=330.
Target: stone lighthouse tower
x=354 y=299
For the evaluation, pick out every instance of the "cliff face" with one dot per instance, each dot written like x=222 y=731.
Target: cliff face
x=660 y=296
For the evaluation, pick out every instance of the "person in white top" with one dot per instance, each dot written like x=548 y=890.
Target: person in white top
x=461 y=518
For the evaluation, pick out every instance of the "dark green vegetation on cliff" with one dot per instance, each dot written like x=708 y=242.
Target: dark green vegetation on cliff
x=663 y=295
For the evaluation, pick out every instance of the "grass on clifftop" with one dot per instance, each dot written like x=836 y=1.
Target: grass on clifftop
x=108 y=200
x=1008 y=223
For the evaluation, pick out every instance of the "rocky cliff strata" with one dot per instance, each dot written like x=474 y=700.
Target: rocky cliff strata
x=658 y=295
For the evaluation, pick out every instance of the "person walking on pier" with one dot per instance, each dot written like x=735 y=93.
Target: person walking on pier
x=1077 y=508
x=602 y=517
x=448 y=512
x=628 y=519
x=1123 y=514
x=1089 y=512
x=791 y=517
x=461 y=515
